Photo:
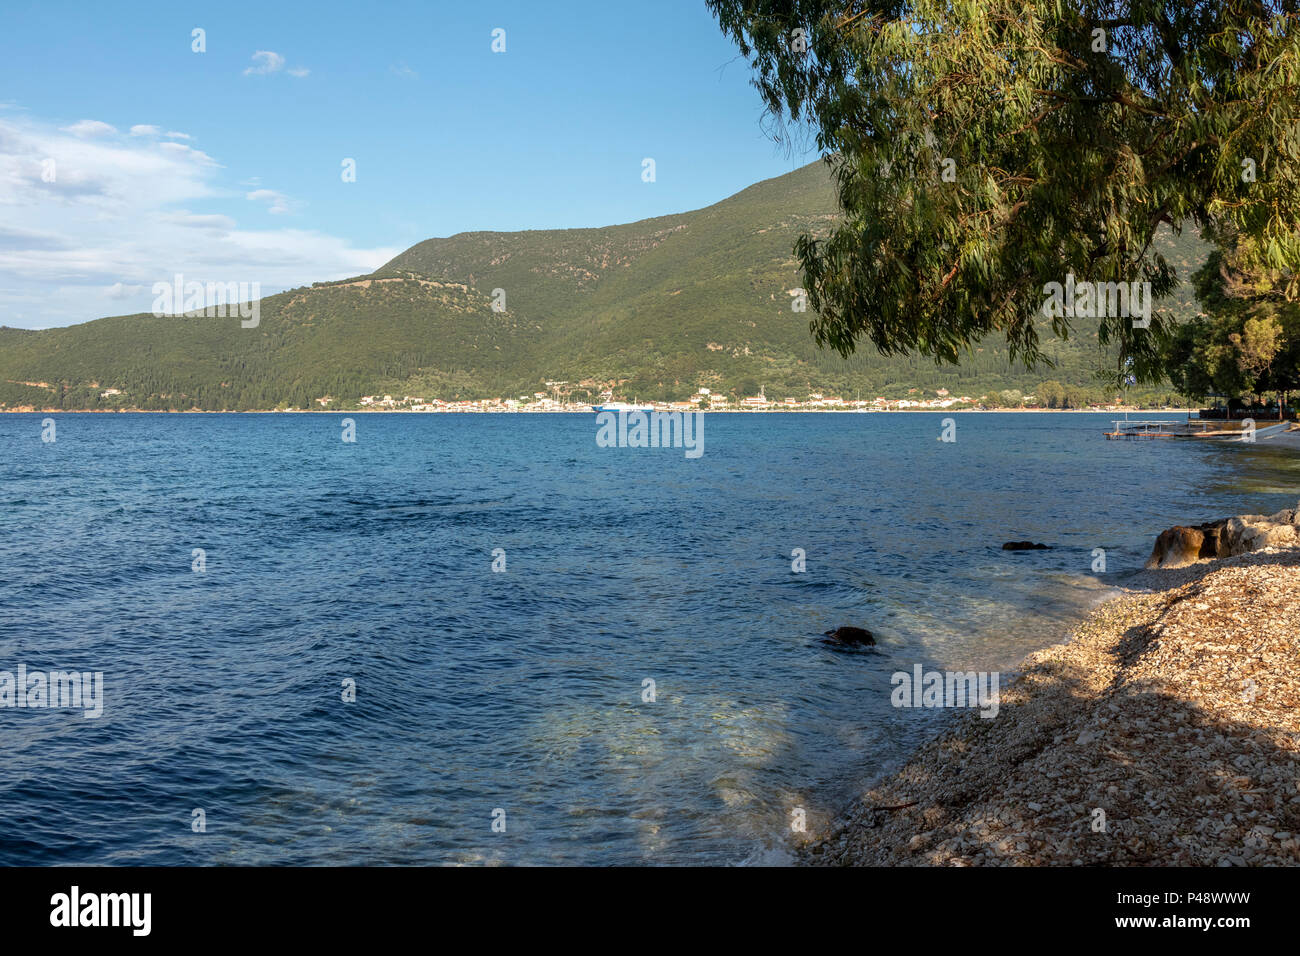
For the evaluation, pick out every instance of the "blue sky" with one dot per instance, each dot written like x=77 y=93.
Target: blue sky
x=225 y=165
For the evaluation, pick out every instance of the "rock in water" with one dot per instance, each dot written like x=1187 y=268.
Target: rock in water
x=852 y=636
x=1024 y=546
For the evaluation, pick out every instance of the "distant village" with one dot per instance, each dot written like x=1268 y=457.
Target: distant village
x=703 y=400
x=557 y=399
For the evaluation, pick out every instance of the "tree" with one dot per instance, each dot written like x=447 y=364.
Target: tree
x=1247 y=342
x=1257 y=345
x=983 y=150
x=1050 y=394
x=1074 y=398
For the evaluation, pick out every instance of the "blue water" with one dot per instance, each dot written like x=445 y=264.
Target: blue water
x=522 y=690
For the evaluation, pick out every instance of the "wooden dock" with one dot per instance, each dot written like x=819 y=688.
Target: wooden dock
x=1192 y=428
x=1120 y=435
x=1145 y=429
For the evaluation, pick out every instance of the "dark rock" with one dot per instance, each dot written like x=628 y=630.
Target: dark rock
x=852 y=636
x=1025 y=546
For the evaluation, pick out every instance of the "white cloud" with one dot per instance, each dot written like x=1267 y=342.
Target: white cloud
x=145 y=130
x=125 y=213
x=277 y=202
x=184 y=217
x=265 y=61
x=404 y=71
x=268 y=61
x=175 y=135
x=188 y=152
x=120 y=291
x=89 y=129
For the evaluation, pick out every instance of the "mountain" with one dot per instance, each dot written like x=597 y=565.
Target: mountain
x=652 y=309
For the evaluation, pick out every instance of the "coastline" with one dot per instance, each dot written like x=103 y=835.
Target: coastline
x=1165 y=731
x=28 y=410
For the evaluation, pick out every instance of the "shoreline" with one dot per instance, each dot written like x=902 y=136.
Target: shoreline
x=1164 y=731
x=26 y=410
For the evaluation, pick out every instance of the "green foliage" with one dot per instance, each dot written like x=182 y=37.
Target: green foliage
x=1248 y=340
x=985 y=149
x=1050 y=394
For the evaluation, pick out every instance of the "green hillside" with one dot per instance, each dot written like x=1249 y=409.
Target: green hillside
x=653 y=309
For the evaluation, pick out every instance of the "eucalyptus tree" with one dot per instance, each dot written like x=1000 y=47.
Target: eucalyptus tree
x=984 y=149
x=1247 y=339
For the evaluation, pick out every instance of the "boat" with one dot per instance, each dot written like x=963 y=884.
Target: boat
x=622 y=406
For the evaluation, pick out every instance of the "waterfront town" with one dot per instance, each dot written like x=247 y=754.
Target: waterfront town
x=1050 y=397
x=706 y=400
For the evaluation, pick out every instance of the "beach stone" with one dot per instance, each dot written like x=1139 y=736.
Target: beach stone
x=1177 y=547
x=1182 y=545
x=1247 y=533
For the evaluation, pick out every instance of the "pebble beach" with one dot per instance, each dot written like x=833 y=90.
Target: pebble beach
x=1165 y=732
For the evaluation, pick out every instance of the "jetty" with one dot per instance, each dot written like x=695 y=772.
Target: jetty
x=1144 y=429
x=1210 y=429
x=1192 y=428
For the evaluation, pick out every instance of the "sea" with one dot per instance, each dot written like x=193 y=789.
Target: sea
x=486 y=639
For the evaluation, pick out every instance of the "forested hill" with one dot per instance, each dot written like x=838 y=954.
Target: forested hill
x=654 y=309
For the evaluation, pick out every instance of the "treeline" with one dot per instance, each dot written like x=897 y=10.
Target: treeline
x=1052 y=394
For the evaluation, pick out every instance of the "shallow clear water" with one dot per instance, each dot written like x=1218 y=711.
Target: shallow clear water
x=522 y=690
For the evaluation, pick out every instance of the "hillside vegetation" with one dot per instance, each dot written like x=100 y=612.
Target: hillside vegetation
x=652 y=310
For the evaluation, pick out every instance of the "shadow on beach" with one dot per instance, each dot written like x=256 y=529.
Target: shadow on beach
x=1165 y=733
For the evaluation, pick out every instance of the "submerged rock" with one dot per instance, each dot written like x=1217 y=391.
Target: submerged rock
x=1025 y=546
x=852 y=636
